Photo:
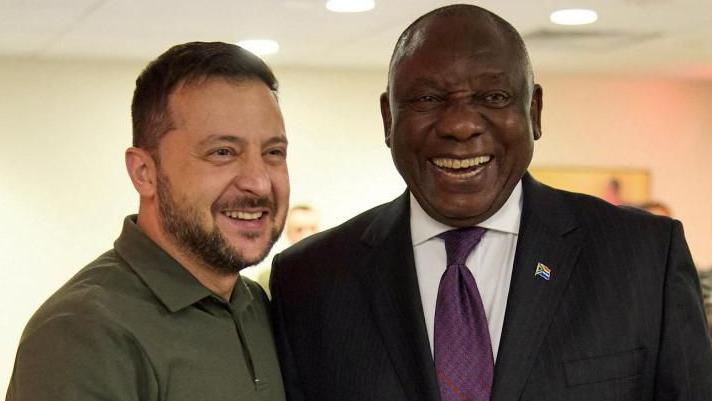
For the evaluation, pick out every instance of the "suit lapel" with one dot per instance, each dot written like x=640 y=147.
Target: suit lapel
x=548 y=234
x=389 y=279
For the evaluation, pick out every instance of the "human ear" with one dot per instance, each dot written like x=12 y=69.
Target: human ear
x=142 y=171
x=386 y=116
x=535 y=110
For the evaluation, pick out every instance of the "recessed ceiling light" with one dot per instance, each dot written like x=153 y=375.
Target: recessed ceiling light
x=573 y=16
x=260 y=47
x=350 y=6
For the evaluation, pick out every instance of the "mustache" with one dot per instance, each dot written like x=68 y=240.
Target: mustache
x=245 y=202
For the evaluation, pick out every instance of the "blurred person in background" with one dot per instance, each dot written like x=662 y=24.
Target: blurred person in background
x=303 y=220
x=661 y=209
x=657 y=208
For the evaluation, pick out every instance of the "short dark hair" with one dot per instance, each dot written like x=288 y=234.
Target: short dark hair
x=187 y=63
x=469 y=10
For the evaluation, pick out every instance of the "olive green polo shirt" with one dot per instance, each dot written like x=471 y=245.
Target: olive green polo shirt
x=135 y=325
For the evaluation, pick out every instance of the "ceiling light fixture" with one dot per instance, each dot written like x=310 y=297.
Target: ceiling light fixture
x=350 y=6
x=573 y=16
x=260 y=47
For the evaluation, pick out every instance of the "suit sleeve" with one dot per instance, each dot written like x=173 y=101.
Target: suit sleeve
x=684 y=366
x=290 y=374
x=71 y=357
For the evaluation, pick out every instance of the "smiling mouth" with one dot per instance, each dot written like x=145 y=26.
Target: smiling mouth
x=243 y=215
x=461 y=167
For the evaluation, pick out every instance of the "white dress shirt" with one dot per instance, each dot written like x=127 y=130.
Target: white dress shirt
x=491 y=262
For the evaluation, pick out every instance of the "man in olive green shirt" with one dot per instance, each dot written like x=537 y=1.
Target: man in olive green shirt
x=165 y=315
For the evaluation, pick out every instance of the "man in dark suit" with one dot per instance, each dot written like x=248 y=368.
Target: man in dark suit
x=565 y=298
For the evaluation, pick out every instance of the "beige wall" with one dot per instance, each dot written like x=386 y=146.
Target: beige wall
x=658 y=125
x=64 y=126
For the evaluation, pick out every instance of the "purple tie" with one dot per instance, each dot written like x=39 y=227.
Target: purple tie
x=463 y=352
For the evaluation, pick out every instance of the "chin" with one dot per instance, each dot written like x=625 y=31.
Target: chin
x=257 y=250
x=461 y=216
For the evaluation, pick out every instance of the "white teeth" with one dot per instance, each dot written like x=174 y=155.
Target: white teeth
x=461 y=163
x=243 y=215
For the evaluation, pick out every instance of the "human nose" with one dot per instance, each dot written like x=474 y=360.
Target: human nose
x=461 y=120
x=253 y=176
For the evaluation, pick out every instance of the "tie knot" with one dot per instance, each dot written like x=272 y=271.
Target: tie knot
x=460 y=242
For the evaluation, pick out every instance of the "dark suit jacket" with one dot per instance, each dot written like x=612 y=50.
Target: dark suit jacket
x=620 y=319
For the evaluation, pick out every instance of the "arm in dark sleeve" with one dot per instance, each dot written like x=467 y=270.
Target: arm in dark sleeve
x=70 y=357
x=292 y=383
x=684 y=367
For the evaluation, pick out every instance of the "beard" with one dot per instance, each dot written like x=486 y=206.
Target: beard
x=182 y=224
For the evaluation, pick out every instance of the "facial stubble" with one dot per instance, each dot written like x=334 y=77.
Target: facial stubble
x=182 y=224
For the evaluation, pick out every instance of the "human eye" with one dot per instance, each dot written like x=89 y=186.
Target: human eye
x=496 y=99
x=426 y=102
x=427 y=99
x=222 y=152
x=276 y=153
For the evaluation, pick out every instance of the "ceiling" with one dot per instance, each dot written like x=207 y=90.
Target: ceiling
x=648 y=37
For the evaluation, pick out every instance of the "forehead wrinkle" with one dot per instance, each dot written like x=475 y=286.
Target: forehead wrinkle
x=438 y=73
x=503 y=36
x=435 y=76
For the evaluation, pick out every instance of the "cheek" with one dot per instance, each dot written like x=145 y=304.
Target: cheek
x=410 y=138
x=516 y=132
x=195 y=199
x=191 y=173
x=513 y=124
x=280 y=185
x=205 y=188
x=204 y=196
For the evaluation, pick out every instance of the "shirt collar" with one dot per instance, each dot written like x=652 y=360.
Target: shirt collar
x=172 y=284
x=506 y=219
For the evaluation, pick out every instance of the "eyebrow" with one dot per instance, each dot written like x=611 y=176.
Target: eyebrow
x=221 y=138
x=486 y=76
x=278 y=139
x=494 y=76
x=425 y=82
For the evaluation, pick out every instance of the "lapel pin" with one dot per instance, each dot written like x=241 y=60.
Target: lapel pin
x=542 y=271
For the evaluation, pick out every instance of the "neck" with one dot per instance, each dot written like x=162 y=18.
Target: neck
x=218 y=283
